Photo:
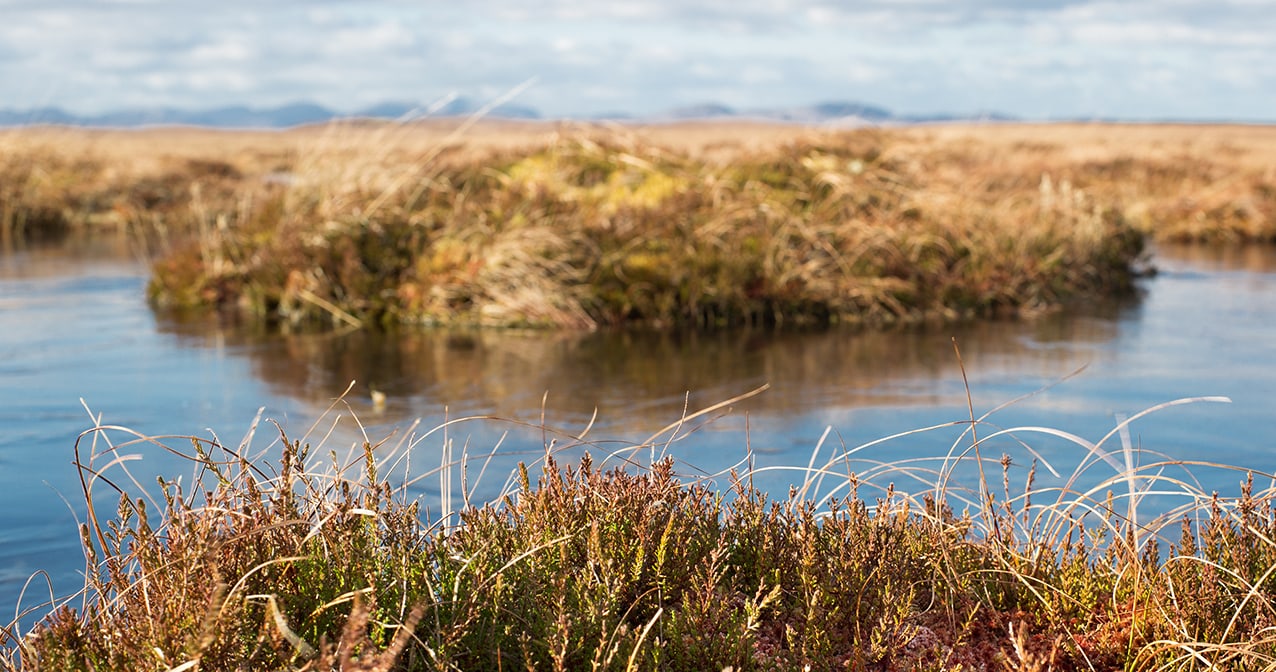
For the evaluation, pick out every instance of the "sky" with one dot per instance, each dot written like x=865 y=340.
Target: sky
x=1034 y=59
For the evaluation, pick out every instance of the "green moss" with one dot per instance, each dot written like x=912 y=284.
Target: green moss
x=595 y=177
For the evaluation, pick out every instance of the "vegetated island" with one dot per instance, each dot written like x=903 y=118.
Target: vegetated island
x=686 y=225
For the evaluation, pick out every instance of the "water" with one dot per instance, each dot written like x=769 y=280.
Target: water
x=74 y=326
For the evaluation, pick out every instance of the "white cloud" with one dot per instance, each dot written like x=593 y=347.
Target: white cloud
x=223 y=51
x=1050 y=58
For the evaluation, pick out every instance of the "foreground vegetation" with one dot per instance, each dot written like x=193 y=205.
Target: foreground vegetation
x=311 y=562
x=693 y=226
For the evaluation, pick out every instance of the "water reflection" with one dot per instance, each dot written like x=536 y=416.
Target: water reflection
x=1217 y=258
x=641 y=380
x=74 y=256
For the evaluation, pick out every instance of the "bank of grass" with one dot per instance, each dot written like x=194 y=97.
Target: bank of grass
x=582 y=233
x=616 y=561
x=690 y=225
x=58 y=182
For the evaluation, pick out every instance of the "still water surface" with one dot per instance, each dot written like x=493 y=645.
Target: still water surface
x=74 y=326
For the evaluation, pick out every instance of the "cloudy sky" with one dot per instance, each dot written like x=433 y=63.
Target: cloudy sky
x=1039 y=59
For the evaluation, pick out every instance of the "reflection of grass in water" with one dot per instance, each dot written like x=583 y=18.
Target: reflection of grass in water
x=315 y=560
x=636 y=378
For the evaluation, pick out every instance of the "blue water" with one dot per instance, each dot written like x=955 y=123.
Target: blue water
x=77 y=338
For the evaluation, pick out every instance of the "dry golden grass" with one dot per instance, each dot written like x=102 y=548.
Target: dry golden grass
x=1210 y=183
x=1017 y=145
x=1200 y=166
x=579 y=225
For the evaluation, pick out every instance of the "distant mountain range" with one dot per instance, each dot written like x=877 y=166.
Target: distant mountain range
x=826 y=113
x=297 y=114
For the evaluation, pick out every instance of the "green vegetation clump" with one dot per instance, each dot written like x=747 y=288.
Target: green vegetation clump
x=583 y=233
x=293 y=565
